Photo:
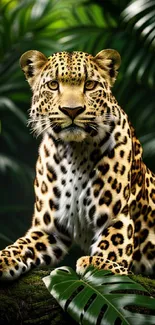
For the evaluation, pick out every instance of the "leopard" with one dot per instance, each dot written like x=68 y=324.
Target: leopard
x=91 y=187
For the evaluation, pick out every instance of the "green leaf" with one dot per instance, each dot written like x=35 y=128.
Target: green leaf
x=100 y=298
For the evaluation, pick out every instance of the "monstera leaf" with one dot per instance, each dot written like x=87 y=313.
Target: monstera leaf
x=100 y=298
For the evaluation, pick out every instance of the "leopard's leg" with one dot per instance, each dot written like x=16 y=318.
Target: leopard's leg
x=111 y=191
x=113 y=250
x=47 y=241
x=36 y=248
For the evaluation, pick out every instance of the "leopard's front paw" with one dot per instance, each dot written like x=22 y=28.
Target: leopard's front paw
x=100 y=263
x=82 y=264
x=10 y=267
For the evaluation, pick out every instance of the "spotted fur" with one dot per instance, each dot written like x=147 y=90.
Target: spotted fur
x=91 y=185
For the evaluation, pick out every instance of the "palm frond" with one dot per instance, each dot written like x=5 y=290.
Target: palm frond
x=91 y=26
x=139 y=20
x=140 y=14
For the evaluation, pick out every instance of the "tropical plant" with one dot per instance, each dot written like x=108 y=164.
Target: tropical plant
x=100 y=297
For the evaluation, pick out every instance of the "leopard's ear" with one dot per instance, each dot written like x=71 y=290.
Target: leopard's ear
x=32 y=63
x=108 y=61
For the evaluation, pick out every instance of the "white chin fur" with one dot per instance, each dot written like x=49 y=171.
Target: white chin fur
x=73 y=135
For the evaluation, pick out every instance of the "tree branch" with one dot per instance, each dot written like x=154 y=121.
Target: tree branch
x=27 y=301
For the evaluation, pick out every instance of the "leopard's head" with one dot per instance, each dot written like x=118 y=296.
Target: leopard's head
x=72 y=96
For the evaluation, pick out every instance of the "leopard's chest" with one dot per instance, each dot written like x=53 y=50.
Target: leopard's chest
x=74 y=185
x=71 y=173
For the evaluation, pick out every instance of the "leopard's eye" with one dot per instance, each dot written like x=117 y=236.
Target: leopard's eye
x=53 y=85
x=90 y=84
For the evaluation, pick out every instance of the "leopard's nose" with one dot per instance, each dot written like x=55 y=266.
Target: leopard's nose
x=72 y=112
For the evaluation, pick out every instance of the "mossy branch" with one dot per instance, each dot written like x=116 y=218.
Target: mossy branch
x=27 y=301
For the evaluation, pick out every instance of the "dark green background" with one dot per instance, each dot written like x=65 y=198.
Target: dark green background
x=50 y=26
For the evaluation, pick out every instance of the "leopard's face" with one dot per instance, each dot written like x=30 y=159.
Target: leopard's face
x=72 y=99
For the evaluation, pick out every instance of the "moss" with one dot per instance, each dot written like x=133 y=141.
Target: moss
x=149 y=284
x=27 y=301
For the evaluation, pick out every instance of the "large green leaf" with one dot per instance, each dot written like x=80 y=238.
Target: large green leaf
x=101 y=298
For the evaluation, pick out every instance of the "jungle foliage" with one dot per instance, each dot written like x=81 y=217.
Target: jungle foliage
x=54 y=25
